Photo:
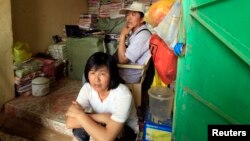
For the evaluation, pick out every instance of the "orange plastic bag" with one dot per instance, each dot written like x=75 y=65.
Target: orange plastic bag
x=165 y=61
x=157 y=11
x=168 y=28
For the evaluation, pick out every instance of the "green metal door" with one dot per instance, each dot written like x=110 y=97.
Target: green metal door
x=213 y=78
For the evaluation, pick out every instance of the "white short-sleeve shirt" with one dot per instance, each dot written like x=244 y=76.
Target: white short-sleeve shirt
x=119 y=104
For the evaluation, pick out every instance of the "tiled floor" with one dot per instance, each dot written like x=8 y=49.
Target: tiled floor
x=47 y=110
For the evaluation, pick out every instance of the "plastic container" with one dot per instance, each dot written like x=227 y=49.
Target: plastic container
x=160 y=104
x=40 y=86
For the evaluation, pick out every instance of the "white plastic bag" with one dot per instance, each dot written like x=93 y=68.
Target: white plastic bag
x=168 y=28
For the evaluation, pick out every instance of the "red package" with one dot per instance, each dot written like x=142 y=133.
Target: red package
x=48 y=66
x=165 y=61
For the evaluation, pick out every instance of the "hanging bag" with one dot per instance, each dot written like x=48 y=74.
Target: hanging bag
x=168 y=28
x=165 y=61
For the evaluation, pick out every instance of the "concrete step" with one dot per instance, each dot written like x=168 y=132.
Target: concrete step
x=16 y=129
x=48 y=111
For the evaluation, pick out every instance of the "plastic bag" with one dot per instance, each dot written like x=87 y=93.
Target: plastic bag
x=20 y=52
x=157 y=11
x=165 y=61
x=168 y=28
x=157 y=81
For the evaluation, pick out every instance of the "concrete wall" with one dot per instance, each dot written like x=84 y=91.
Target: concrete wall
x=36 y=21
x=6 y=39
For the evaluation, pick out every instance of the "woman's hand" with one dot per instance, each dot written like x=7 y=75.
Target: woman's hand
x=75 y=110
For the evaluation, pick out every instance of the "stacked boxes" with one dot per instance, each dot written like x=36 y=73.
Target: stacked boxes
x=88 y=21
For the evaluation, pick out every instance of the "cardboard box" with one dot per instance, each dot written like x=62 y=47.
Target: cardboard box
x=156 y=132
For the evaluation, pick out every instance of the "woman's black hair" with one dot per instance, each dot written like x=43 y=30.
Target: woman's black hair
x=100 y=59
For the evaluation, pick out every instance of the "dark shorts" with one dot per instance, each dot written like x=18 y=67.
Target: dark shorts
x=127 y=134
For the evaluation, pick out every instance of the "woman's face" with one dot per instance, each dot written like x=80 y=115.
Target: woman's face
x=134 y=20
x=99 y=78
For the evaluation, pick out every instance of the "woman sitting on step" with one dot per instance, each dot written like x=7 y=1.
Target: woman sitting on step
x=113 y=114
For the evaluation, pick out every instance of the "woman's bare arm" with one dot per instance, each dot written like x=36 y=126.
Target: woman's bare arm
x=97 y=131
